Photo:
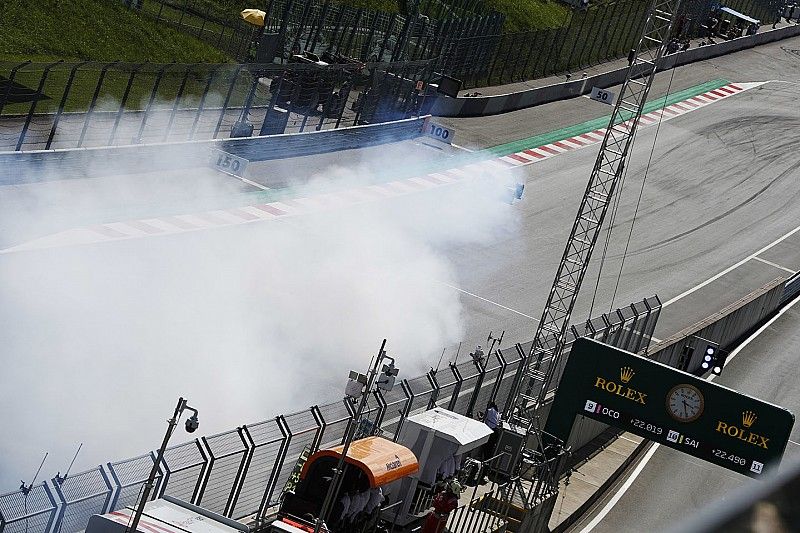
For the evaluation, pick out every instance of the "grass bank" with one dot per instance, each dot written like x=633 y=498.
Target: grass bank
x=94 y=30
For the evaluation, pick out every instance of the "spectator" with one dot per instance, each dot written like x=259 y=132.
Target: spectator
x=492 y=416
x=493 y=420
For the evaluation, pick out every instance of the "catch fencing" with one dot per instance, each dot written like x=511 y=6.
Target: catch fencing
x=61 y=105
x=244 y=471
x=327 y=25
x=604 y=31
x=464 y=40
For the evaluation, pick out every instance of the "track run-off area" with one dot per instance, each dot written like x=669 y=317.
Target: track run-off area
x=709 y=211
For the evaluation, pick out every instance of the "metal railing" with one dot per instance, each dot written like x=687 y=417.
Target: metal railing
x=243 y=472
x=60 y=105
x=485 y=512
x=324 y=25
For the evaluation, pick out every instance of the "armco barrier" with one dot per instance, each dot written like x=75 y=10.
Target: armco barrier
x=481 y=106
x=45 y=165
x=244 y=471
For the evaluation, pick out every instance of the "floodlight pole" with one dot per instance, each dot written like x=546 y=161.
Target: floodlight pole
x=338 y=472
x=148 y=486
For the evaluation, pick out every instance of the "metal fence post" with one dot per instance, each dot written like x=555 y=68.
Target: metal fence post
x=177 y=101
x=385 y=40
x=400 y=44
x=610 y=33
x=365 y=47
x=341 y=34
x=496 y=59
x=238 y=484
x=576 y=37
x=320 y=23
x=201 y=104
x=457 y=388
x=62 y=103
x=35 y=100
x=530 y=42
x=285 y=18
x=477 y=388
x=349 y=45
x=320 y=420
x=94 y=101
x=598 y=52
x=273 y=477
x=431 y=375
x=599 y=22
x=153 y=94
x=500 y=374
x=557 y=48
x=122 y=102
x=238 y=480
x=300 y=26
x=590 y=33
x=224 y=110
x=406 y=410
x=273 y=102
x=517 y=381
x=507 y=60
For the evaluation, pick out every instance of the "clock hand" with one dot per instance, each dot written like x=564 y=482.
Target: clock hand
x=685 y=405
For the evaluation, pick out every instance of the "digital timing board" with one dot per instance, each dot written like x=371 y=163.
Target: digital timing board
x=671 y=407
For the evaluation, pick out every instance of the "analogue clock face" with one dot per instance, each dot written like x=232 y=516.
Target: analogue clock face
x=685 y=403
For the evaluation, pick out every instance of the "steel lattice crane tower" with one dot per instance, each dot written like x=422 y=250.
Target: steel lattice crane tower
x=545 y=354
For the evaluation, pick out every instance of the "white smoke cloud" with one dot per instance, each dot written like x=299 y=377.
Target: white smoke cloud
x=246 y=322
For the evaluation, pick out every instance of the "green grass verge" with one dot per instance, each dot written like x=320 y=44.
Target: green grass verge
x=97 y=30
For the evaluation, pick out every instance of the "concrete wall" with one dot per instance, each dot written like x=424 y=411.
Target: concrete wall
x=46 y=165
x=491 y=105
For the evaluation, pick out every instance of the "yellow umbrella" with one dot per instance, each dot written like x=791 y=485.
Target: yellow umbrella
x=254 y=16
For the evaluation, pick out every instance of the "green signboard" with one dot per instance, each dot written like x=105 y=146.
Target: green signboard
x=670 y=407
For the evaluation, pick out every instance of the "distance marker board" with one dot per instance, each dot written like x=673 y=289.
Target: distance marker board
x=438 y=132
x=668 y=406
x=602 y=95
x=228 y=163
